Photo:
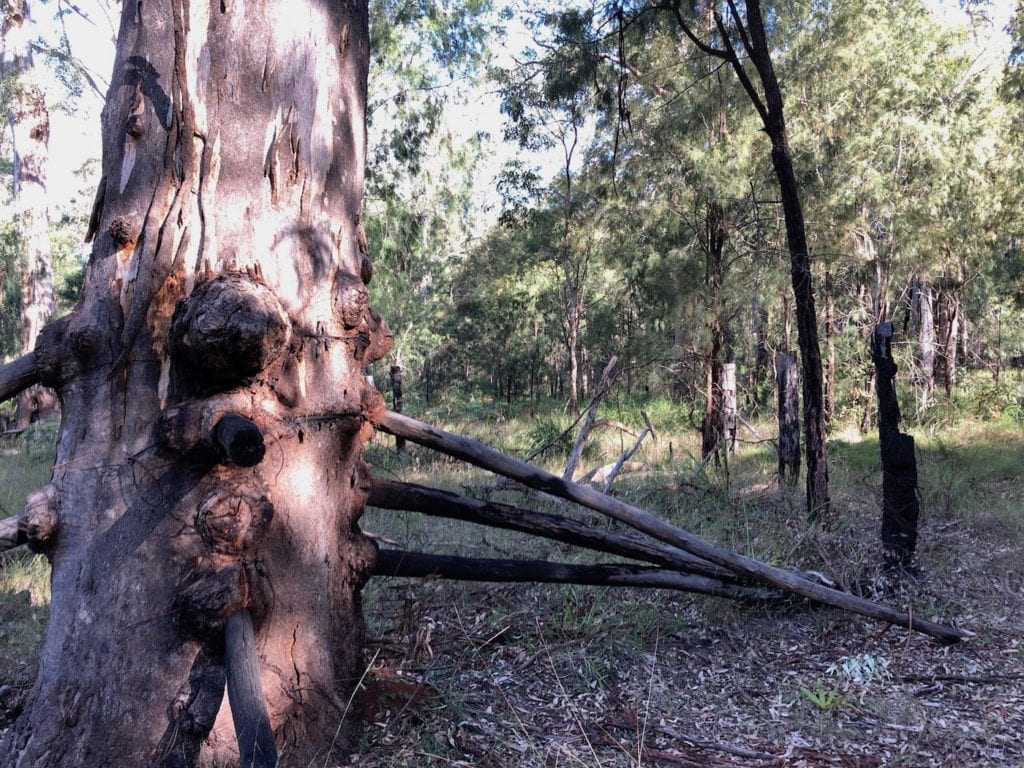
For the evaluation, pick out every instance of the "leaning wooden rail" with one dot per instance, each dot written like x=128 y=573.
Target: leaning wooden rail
x=256 y=745
x=389 y=494
x=397 y=562
x=18 y=375
x=11 y=535
x=490 y=459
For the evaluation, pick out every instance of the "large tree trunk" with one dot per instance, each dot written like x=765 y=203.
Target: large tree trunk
x=214 y=405
x=29 y=120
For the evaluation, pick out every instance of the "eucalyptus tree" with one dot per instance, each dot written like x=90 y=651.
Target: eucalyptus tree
x=28 y=115
x=548 y=99
x=423 y=199
x=208 y=480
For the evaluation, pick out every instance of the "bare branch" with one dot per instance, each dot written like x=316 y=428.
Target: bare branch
x=397 y=562
x=718 y=53
x=577 y=449
x=737 y=67
x=627 y=454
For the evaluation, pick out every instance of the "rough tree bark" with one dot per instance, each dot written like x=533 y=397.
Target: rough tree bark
x=208 y=467
x=29 y=120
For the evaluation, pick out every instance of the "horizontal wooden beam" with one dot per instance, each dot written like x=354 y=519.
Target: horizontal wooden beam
x=11 y=535
x=396 y=562
x=18 y=375
x=389 y=494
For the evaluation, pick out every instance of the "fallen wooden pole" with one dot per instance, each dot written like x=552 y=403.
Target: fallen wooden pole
x=490 y=459
x=400 y=563
x=388 y=494
x=18 y=375
x=10 y=535
x=256 y=745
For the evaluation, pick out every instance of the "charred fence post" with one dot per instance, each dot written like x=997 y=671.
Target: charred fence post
x=900 y=507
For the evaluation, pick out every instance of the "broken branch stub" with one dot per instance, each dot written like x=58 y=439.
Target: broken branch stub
x=38 y=522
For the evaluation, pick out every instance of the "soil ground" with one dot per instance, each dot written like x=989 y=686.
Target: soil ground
x=497 y=675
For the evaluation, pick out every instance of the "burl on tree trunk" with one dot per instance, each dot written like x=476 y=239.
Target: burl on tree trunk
x=201 y=519
x=900 y=507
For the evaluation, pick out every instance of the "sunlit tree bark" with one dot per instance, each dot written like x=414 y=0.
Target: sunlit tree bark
x=201 y=518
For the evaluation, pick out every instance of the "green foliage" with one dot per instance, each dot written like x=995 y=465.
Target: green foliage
x=826 y=698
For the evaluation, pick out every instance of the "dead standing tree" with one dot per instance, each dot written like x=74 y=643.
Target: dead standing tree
x=900 y=507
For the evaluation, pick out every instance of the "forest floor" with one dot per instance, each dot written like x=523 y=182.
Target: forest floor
x=517 y=675
x=496 y=675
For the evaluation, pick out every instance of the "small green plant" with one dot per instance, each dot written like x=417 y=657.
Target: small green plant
x=549 y=435
x=824 y=698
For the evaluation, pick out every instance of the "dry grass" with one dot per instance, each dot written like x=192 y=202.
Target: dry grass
x=551 y=676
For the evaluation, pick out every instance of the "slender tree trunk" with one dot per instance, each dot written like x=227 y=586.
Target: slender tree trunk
x=396 y=397
x=29 y=120
x=730 y=408
x=713 y=430
x=208 y=467
x=677 y=387
x=830 y=347
x=800 y=269
x=947 y=328
x=925 y=326
x=787 y=376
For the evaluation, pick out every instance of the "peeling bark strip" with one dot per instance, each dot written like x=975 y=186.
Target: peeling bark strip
x=488 y=458
x=900 y=507
x=213 y=397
